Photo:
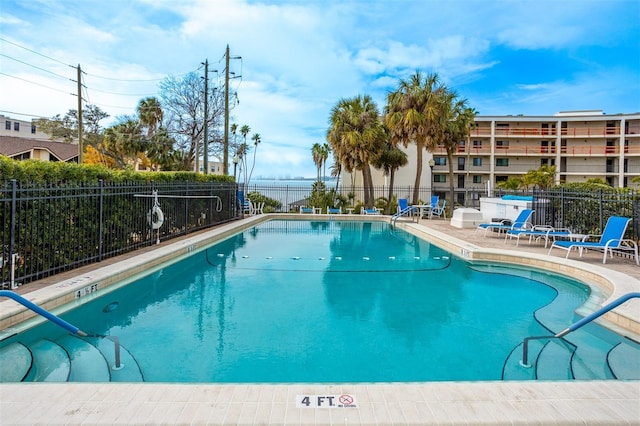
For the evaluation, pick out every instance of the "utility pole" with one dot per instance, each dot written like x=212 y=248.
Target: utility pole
x=206 y=116
x=225 y=158
x=80 y=147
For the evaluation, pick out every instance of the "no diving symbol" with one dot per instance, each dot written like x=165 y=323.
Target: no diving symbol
x=346 y=399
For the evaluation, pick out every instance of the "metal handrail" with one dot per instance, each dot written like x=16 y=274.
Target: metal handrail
x=573 y=327
x=43 y=312
x=62 y=323
x=395 y=217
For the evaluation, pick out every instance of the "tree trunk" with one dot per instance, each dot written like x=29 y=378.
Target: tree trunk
x=392 y=175
x=451 y=177
x=416 y=185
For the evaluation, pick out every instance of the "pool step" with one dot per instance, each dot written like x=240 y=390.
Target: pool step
x=554 y=361
x=87 y=362
x=50 y=362
x=624 y=360
x=15 y=362
x=69 y=358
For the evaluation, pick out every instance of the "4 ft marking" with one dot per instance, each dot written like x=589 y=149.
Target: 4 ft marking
x=326 y=401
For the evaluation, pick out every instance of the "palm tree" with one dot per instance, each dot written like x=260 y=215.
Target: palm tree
x=325 y=149
x=356 y=137
x=244 y=131
x=411 y=115
x=150 y=115
x=391 y=159
x=457 y=119
x=316 y=153
x=256 y=140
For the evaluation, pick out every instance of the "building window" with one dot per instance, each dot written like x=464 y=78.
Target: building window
x=7 y=125
x=477 y=144
x=460 y=181
x=502 y=144
x=477 y=161
x=33 y=129
x=460 y=163
x=440 y=178
x=502 y=162
x=548 y=162
x=16 y=126
x=440 y=161
x=477 y=178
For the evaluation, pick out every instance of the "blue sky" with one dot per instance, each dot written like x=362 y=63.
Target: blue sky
x=300 y=57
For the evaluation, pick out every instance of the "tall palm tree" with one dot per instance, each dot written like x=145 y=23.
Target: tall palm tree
x=256 y=140
x=325 y=149
x=244 y=131
x=316 y=153
x=150 y=115
x=457 y=119
x=356 y=137
x=411 y=115
x=391 y=159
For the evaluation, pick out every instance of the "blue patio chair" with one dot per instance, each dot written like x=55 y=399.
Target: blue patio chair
x=538 y=232
x=439 y=210
x=435 y=199
x=334 y=210
x=404 y=209
x=307 y=210
x=522 y=222
x=612 y=238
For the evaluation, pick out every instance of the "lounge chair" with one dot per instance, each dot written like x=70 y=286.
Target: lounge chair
x=612 y=238
x=307 y=210
x=372 y=210
x=538 y=232
x=522 y=222
x=404 y=209
x=439 y=210
x=334 y=210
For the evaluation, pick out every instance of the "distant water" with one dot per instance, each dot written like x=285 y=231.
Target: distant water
x=287 y=191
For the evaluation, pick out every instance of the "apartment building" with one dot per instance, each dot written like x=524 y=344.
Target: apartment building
x=21 y=128
x=581 y=144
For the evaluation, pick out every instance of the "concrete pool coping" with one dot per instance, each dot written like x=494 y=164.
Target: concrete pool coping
x=610 y=402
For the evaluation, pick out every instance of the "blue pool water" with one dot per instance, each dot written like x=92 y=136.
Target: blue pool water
x=304 y=301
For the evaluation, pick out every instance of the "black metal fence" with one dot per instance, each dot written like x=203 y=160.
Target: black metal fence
x=49 y=229
x=45 y=230
x=586 y=212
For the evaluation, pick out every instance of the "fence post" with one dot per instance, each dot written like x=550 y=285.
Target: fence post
x=12 y=231
x=101 y=220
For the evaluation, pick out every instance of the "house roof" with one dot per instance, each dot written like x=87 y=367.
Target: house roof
x=12 y=146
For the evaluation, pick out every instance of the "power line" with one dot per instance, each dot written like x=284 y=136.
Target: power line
x=33 y=51
x=33 y=66
x=33 y=82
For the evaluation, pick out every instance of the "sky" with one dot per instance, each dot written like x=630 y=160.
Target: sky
x=298 y=58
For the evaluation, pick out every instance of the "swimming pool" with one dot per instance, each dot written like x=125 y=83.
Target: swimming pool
x=305 y=301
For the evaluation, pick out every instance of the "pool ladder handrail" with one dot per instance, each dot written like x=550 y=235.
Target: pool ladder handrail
x=401 y=213
x=61 y=323
x=573 y=327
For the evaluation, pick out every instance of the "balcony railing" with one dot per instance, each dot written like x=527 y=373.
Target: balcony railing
x=536 y=149
x=548 y=132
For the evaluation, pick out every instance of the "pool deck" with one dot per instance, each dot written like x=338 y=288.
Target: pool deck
x=433 y=403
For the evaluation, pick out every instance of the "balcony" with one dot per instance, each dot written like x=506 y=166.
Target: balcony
x=598 y=131
x=537 y=149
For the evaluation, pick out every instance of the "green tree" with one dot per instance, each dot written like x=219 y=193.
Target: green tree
x=316 y=153
x=391 y=159
x=456 y=119
x=256 y=141
x=412 y=116
x=356 y=136
x=66 y=128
